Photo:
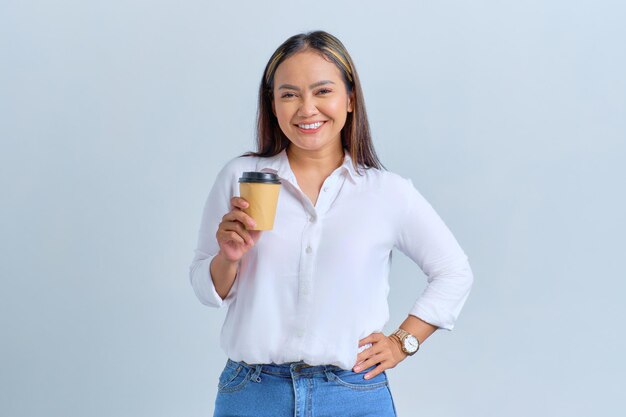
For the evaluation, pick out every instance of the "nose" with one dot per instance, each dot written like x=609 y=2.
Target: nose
x=308 y=107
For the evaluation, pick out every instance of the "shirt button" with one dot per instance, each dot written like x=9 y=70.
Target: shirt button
x=311 y=219
x=309 y=249
x=325 y=189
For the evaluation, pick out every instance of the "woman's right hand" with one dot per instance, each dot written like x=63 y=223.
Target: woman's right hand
x=233 y=235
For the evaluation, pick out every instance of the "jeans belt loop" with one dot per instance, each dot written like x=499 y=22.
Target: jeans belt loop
x=329 y=374
x=257 y=372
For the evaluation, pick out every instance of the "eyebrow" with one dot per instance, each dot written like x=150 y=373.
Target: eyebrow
x=293 y=87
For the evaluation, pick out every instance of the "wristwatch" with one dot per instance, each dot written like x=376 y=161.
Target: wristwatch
x=408 y=342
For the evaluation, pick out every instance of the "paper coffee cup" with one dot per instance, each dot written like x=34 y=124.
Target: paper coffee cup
x=260 y=190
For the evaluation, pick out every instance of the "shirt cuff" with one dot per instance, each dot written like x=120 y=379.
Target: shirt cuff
x=202 y=283
x=430 y=317
x=444 y=296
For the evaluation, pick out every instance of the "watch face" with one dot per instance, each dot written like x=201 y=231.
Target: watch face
x=410 y=344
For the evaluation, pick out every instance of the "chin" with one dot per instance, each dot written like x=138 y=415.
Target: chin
x=312 y=144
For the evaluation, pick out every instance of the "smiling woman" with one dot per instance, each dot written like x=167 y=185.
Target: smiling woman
x=311 y=112
x=307 y=300
x=287 y=81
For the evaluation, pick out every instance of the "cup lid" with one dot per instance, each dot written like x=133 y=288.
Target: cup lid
x=262 y=177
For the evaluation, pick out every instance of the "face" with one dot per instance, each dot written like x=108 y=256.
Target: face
x=310 y=101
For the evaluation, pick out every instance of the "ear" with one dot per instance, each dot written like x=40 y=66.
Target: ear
x=351 y=102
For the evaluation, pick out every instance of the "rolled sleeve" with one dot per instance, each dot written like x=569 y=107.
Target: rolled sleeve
x=425 y=238
x=216 y=206
x=202 y=283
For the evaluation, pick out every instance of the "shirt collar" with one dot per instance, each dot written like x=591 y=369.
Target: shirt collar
x=279 y=163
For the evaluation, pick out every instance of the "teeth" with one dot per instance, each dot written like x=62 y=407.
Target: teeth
x=313 y=126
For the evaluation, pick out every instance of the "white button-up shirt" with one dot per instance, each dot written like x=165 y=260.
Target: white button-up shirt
x=317 y=283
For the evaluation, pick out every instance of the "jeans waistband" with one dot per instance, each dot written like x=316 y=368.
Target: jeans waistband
x=286 y=369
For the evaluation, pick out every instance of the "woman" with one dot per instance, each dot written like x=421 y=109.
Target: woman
x=307 y=300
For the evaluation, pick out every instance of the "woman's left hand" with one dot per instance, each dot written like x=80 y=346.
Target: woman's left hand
x=385 y=351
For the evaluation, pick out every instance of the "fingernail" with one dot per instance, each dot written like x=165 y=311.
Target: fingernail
x=357 y=368
x=367 y=376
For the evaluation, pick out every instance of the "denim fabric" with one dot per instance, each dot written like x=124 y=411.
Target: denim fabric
x=300 y=390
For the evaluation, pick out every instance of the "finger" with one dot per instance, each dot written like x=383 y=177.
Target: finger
x=364 y=355
x=365 y=341
x=244 y=218
x=359 y=366
x=239 y=202
x=236 y=227
x=369 y=362
x=240 y=230
x=372 y=338
x=233 y=237
x=239 y=216
x=376 y=371
x=370 y=350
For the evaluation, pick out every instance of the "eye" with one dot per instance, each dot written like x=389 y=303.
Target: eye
x=287 y=95
x=325 y=91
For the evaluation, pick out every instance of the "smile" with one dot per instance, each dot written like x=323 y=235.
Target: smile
x=310 y=128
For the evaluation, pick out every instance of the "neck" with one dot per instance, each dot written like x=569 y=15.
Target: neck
x=323 y=161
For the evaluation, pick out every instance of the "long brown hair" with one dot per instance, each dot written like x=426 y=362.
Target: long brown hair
x=355 y=135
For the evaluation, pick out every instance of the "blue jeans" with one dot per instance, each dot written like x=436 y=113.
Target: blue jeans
x=300 y=390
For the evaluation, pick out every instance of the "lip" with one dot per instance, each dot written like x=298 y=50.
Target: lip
x=310 y=131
